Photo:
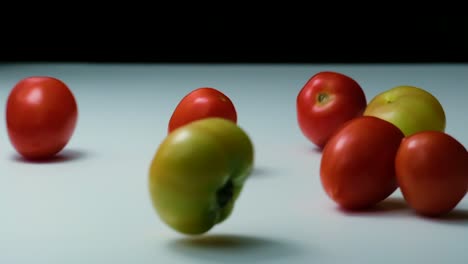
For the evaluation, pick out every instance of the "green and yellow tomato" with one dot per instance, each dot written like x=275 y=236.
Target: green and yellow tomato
x=198 y=172
x=410 y=108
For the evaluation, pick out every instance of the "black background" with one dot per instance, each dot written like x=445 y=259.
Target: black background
x=202 y=39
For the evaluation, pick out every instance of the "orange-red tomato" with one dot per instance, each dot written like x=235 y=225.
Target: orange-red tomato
x=41 y=116
x=202 y=103
x=432 y=171
x=357 y=168
x=326 y=102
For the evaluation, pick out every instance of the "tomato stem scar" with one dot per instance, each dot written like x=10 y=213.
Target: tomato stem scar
x=321 y=97
x=225 y=194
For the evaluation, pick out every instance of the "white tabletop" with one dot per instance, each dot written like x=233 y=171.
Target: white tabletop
x=92 y=205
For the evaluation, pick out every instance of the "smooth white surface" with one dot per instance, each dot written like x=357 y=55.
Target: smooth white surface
x=92 y=205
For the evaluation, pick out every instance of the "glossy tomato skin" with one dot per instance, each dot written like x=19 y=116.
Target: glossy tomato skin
x=198 y=172
x=357 y=168
x=432 y=171
x=41 y=116
x=326 y=102
x=202 y=103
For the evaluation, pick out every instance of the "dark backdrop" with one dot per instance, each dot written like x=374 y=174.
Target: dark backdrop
x=390 y=39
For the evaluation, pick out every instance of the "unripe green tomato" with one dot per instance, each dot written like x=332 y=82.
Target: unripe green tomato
x=198 y=172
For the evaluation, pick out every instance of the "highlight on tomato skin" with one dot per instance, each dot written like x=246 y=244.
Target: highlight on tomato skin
x=41 y=116
x=202 y=103
x=432 y=172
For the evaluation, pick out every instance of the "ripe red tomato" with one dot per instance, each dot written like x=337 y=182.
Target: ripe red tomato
x=432 y=171
x=41 y=115
x=327 y=101
x=357 y=168
x=201 y=103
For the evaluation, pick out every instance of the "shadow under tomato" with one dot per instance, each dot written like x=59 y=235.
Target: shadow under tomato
x=454 y=217
x=389 y=205
x=224 y=248
x=315 y=150
x=65 y=155
x=261 y=172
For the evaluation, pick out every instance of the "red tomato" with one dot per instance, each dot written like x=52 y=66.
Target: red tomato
x=201 y=103
x=326 y=102
x=432 y=171
x=357 y=168
x=41 y=115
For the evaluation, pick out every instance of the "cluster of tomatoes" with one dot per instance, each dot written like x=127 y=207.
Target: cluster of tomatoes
x=366 y=158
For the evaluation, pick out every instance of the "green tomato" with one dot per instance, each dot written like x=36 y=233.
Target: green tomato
x=198 y=172
x=411 y=109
